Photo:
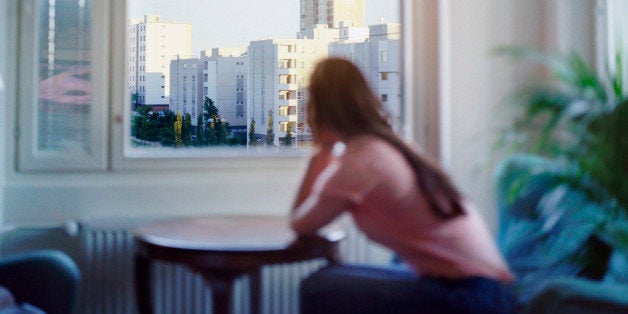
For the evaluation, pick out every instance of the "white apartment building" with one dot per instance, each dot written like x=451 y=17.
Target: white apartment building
x=220 y=75
x=152 y=45
x=379 y=59
x=278 y=73
x=185 y=92
x=225 y=74
x=331 y=12
x=352 y=34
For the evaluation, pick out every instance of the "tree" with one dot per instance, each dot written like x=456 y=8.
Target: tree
x=200 y=138
x=222 y=131
x=209 y=110
x=186 y=130
x=177 y=130
x=144 y=124
x=135 y=100
x=287 y=140
x=270 y=132
x=166 y=131
x=252 y=138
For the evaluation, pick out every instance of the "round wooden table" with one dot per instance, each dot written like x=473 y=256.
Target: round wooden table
x=223 y=248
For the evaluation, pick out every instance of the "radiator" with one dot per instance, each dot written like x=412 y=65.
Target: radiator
x=108 y=286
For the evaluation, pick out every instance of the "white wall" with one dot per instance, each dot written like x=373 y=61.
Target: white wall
x=4 y=18
x=472 y=85
x=475 y=81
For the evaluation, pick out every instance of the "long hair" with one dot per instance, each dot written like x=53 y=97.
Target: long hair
x=341 y=100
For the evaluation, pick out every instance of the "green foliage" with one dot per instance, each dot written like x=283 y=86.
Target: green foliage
x=178 y=126
x=170 y=129
x=287 y=140
x=270 y=131
x=200 y=138
x=135 y=99
x=186 y=130
x=578 y=119
x=166 y=131
x=209 y=109
x=144 y=124
x=252 y=138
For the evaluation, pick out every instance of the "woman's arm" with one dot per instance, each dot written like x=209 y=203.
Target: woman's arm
x=319 y=161
x=314 y=209
x=316 y=212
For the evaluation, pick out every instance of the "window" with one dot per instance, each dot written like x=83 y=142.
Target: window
x=61 y=123
x=107 y=103
x=89 y=43
x=280 y=74
x=384 y=97
x=383 y=56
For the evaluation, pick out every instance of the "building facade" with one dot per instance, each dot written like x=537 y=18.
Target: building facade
x=331 y=13
x=185 y=92
x=220 y=75
x=152 y=45
x=225 y=74
x=278 y=74
x=379 y=59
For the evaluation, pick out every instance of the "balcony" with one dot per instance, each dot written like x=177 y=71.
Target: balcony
x=287 y=103
x=288 y=82
x=287 y=110
x=286 y=94
x=288 y=86
x=287 y=71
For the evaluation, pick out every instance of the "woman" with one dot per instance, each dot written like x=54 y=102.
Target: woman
x=399 y=199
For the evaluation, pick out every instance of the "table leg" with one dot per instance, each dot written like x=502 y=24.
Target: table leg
x=142 y=284
x=255 y=290
x=221 y=285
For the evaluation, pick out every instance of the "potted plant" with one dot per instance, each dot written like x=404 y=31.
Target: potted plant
x=576 y=121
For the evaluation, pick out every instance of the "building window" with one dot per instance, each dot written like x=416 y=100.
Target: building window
x=384 y=97
x=384 y=76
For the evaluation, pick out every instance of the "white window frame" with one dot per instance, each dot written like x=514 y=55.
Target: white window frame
x=125 y=157
x=30 y=159
x=610 y=19
x=110 y=30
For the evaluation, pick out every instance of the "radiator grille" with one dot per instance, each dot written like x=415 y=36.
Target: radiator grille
x=108 y=278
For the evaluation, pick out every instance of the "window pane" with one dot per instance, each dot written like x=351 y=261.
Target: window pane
x=63 y=117
x=252 y=74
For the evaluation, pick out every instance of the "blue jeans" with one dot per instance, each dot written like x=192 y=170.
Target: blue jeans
x=365 y=289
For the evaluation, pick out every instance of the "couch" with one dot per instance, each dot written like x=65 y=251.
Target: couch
x=42 y=281
x=548 y=234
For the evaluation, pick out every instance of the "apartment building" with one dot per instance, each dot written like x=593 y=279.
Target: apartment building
x=224 y=73
x=185 y=92
x=219 y=74
x=379 y=58
x=152 y=45
x=278 y=73
x=331 y=12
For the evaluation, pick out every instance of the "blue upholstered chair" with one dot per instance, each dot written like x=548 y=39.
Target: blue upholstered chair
x=45 y=279
x=548 y=236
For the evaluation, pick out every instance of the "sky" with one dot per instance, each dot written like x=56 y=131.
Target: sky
x=234 y=23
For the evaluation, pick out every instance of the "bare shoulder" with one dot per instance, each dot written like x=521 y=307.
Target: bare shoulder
x=368 y=144
x=369 y=148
